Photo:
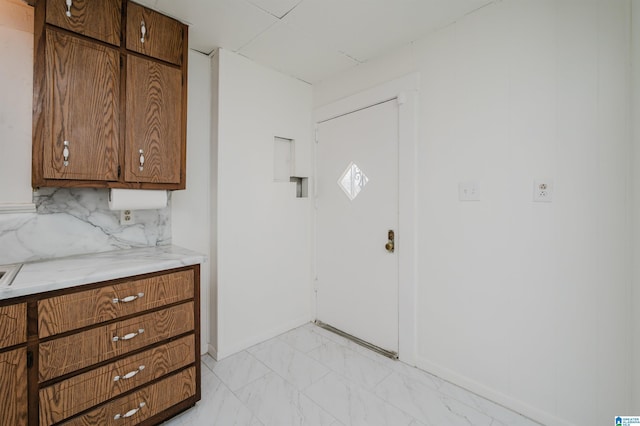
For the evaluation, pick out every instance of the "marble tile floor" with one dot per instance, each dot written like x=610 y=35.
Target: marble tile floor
x=310 y=376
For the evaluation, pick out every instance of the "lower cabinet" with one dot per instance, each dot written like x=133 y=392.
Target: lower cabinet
x=13 y=387
x=122 y=352
x=143 y=404
x=72 y=396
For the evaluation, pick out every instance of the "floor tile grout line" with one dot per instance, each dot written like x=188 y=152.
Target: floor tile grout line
x=299 y=391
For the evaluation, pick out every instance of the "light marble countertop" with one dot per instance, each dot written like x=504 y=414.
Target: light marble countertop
x=56 y=274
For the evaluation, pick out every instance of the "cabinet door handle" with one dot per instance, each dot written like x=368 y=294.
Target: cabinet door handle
x=129 y=413
x=143 y=31
x=129 y=374
x=128 y=336
x=69 y=4
x=65 y=153
x=128 y=298
x=141 y=159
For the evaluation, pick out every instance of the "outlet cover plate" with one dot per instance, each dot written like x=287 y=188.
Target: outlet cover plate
x=127 y=217
x=543 y=191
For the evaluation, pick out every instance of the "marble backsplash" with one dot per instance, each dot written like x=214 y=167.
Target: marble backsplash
x=76 y=221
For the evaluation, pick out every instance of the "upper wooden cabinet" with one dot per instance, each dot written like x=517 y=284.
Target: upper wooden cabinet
x=99 y=19
x=154 y=91
x=82 y=132
x=153 y=34
x=106 y=113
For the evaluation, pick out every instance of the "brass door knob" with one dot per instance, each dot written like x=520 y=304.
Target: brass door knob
x=391 y=244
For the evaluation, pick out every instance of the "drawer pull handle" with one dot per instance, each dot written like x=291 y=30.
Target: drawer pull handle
x=128 y=298
x=128 y=336
x=69 y=4
x=141 y=152
x=129 y=374
x=129 y=413
x=143 y=31
x=65 y=153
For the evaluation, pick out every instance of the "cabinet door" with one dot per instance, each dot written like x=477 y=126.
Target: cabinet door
x=13 y=387
x=82 y=131
x=153 y=34
x=154 y=144
x=13 y=325
x=99 y=19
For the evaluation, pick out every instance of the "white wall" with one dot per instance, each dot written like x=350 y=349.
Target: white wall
x=16 y=86
x=263 y=249
x=190 y=208
x=213 y=220
x=635 y=300
x=526 y=303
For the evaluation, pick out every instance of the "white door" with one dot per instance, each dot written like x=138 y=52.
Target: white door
x=357 y=206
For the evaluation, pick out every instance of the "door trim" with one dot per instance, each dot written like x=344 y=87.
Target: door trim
x=405 y=91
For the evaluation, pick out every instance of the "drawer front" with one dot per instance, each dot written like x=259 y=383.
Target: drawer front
x=163 y=36
x=80 y=350
x=72 y=396
x=13 y=392
x=72 y=311
x=99 y=19
x=13 y=325
x=143 y=404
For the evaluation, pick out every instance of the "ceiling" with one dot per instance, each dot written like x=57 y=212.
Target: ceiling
x=311 y=39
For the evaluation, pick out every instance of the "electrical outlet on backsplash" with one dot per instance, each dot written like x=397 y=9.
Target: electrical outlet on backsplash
x=71 y=221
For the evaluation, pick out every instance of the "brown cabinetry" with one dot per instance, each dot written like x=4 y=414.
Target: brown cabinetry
x=82 y=133
x=154 y=91
x=120 y=352
x=108 y=113
x=153 y=34
x=98 y=19
x=13 y=364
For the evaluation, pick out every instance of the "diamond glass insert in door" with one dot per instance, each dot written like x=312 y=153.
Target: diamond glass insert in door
x=352 y=181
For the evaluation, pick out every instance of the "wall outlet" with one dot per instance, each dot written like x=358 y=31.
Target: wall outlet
x=127 y=217
x=468 y=191
x=543 y=191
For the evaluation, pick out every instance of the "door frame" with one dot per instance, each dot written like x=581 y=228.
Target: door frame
x=405 y=91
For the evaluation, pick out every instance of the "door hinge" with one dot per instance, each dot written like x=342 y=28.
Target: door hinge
x=119 y=171
x=315 y=285
x=29 y=359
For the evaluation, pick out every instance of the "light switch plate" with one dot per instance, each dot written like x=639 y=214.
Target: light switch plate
x=468 y=191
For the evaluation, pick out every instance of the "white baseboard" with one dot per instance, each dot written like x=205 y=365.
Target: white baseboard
x=212 y=351
x=491 y=394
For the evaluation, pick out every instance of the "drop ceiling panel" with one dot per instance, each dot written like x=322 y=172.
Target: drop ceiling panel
x=291 y=52
x=278 y=8
x=219 y=23
x=365 y=29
